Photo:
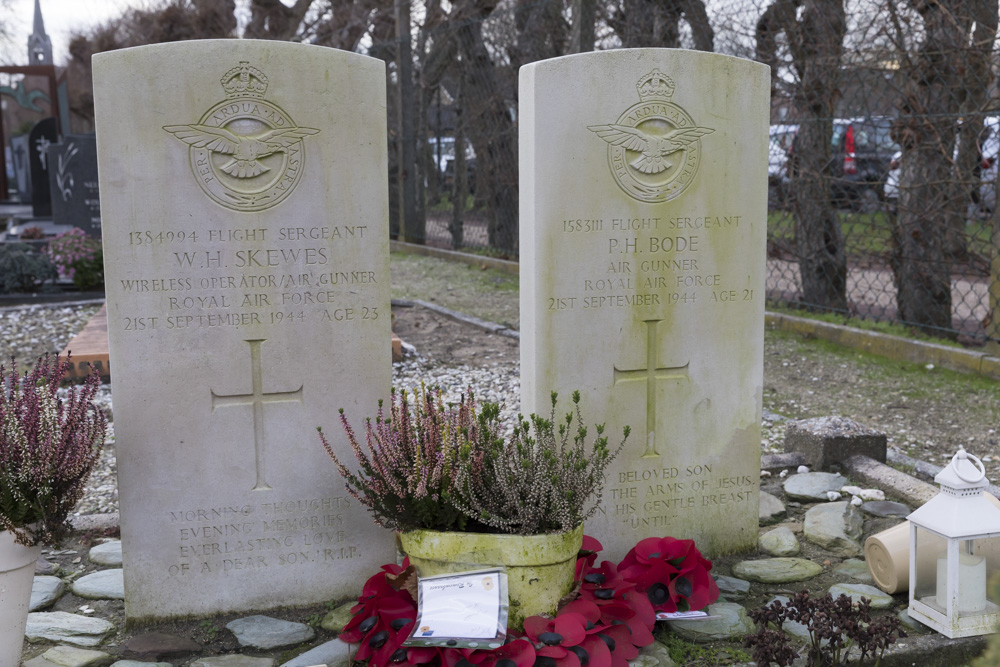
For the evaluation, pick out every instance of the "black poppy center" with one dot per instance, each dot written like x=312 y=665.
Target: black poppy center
x=550 y=638
x=582 y=654
x=658 y=594
x=378 y=639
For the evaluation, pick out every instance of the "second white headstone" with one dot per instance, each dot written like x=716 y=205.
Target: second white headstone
x=642 y=246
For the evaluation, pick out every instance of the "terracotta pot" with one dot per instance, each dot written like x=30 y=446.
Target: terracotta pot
x=539 y=568
x=17 y=573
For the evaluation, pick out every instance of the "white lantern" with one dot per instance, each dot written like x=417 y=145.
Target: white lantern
x=953 y=541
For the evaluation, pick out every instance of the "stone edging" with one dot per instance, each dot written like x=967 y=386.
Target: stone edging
x=891 y=347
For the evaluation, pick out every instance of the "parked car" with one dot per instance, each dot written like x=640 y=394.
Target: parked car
x=863 y=150
x=983 y=195
x=780 y=142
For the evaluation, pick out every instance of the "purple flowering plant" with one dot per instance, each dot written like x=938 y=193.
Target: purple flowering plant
x=49 y=443
x=428 y=465
x=78 y=257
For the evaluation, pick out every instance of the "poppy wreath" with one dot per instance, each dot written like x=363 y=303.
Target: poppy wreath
x=607 y=623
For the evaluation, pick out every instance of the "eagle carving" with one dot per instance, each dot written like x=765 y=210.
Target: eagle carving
x=245 y=149
x=654 y=148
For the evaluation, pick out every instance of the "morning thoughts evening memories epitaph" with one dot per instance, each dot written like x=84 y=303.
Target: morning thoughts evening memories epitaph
x=245 y=214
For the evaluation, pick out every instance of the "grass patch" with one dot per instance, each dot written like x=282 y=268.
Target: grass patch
x=879 y=326
x=683 y=652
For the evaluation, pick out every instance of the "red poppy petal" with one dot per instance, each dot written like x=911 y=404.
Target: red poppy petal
x=600 y=654
x=536 y=625
x=572 y=627
x=590 y=611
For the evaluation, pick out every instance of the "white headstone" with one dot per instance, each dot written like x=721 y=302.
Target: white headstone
x=245 y=208
x=642 y=248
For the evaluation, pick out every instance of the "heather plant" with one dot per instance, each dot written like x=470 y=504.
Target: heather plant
x=407 y=467
x=544 y=478
x=834 y=626
x=48 y=447
x=79 y=258
x=432 y=466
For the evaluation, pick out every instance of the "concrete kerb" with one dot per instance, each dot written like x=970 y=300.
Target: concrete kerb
x=891 y=347
x=504 y=265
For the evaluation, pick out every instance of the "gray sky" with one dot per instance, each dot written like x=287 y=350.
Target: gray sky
x=62 y=17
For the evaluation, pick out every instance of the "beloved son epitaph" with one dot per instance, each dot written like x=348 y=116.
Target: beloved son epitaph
x=246 y=242
x=642 y=239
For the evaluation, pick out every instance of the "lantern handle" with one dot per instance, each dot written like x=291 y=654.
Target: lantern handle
x=962 y=454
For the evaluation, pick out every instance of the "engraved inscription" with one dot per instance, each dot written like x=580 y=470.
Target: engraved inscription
x=651 y=373
x=246 y=153
x=654 y=148
x=257 y=399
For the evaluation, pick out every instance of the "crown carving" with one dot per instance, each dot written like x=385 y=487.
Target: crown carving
x=244 y=81
x=655 y=85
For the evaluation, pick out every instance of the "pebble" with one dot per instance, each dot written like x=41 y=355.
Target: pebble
x=137 y=663
x=332 y=654
x=654 y=655
x=233 y=661
x=855 y=569
x=108 y=553
x=264 y=632
x=732 y=622
x=732 y=587
x=60 y=626
x=158 y=646
x=771 y=509
x=70 y=656
x=777 y=570
x=779 y=542
x=335 y=620
x=813 y=486
x=101 y=585
x=879 y=599
x=886 y=508
x=45 y=567
x=836 y=527
x=45 y=591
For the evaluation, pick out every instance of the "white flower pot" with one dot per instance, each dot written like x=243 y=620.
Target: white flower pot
x=17 y=573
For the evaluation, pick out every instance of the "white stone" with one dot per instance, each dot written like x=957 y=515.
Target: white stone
x=334 y=653
x=264 y=632
x=108 y=553
x=45 y=591
x=627 y=293
x=101 y=585
x=70 y=656
x=59 y=626
x=248 y=300
x=872 y=494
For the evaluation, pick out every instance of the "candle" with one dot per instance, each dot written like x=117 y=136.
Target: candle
x=971 y=583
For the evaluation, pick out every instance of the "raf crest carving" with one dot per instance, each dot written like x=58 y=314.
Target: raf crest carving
x=655 y=146
x=246 y=153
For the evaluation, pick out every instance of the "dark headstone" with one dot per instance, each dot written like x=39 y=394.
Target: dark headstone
x=73 y=183
x=826 y=441
x=22 y=167
x=42 y=135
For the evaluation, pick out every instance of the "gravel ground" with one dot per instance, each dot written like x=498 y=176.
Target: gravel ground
x=927 y=412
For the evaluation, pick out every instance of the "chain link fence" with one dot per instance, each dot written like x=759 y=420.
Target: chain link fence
x=883 y=153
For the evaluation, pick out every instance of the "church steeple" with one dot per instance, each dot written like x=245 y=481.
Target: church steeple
x=39 y=44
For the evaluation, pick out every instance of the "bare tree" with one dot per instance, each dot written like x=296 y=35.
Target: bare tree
x=929 y=195
x=640 y=23
x=814 y=32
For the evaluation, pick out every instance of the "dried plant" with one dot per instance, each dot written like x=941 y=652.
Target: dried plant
x=543 y=479
x=429 y=466
x=835 y=627
x=48 y=446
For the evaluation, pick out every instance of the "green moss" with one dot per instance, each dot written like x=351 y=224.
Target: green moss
x=683 y=652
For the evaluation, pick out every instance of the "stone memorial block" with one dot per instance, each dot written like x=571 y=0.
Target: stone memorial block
x=642 y=247
x=22 y=168
x=73 y=183
x=244 y=200
x=42 y=135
